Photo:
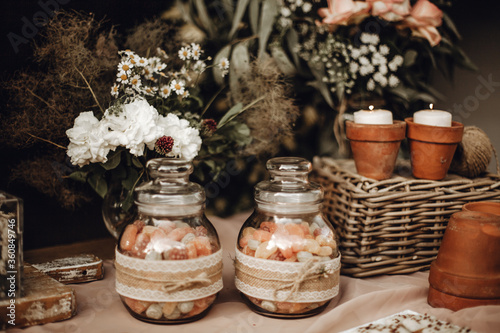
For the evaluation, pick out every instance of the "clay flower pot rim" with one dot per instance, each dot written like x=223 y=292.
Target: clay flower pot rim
x=483 y=206
x=437 y=134
x=376 y=133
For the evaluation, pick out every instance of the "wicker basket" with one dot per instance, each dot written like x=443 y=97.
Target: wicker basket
x=394 y=226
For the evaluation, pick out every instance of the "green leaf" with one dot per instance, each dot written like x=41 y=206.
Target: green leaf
x=410 y=57
x=238 y=133
x=240 y=65
x=217 y=72
x=320 y=85
x=254 y=16
x=80 y=176
x=113 y=161
x=449 y=23
x=233 y=112
x=292 y=39
x=268 y=14
x=238 y=15
x=131 y=180
x=204 y=17
x=98 y=183
x=284 y=64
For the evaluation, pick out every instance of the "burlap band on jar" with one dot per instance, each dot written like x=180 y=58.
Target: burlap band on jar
x=168 y=280
x=300 y=282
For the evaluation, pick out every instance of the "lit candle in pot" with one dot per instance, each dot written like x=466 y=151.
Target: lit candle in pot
x=373 y=117
x=432 y=117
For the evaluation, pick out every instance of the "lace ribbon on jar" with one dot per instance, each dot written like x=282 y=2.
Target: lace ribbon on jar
x=168 y=281
x=311 y=281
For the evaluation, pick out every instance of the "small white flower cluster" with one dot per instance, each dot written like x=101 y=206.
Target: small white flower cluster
x=290 y=7
x=138 y=76
x=333 y=55
x=135 y=126
x=370 y=60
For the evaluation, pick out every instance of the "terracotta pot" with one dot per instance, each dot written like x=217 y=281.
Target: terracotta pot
x=466 y=272
x=375 y=147
x=432 y=148
x=483 y=206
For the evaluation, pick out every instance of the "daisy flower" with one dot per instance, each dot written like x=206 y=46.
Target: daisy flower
x=114 y=90
x=135 y=82
x=224 y=66
x=125 y=66
x=148 y=90
x=185 y=94
x=196 y=51
x=142 y=62
x=178 y=87
x=122 y=77
x=185 y=53
x=165 y=91
x=199 y=66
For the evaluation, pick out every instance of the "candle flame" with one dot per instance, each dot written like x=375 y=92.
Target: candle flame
x=370 y=107
x=431 y=106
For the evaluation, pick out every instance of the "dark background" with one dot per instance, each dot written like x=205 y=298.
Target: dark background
x=47 y=224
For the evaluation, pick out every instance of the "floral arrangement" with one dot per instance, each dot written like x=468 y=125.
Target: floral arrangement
x=94 y=114
x=132 y=122
x=350 y=51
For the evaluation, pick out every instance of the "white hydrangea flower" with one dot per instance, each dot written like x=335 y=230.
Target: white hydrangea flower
x=364 y=61
x=86 y=140
x=384 y=49
x=393 y=81
x=383 y=69
x=370 y=85
x=366 y=69
x=285 y=11
x=378 y=59
x=363 y=49
x=306 y=7
x=355 y=53
x=353 y=67
x=380 y=78
x=187 y=140
x=367 y=38
x=133 y=128
x=398 y=60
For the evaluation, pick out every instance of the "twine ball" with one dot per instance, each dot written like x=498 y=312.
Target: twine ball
x=473 y=154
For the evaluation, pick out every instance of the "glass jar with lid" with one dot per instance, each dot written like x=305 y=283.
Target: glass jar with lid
x=287 y=260
x=169 y=260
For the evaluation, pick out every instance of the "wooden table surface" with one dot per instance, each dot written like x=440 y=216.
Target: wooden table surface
x=104 y=248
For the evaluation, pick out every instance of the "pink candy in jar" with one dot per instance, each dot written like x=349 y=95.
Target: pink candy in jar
x=287 y=261
x=169 y=261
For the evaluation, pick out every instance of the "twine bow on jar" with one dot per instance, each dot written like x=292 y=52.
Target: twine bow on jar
x=312 y=269
x=171 y=286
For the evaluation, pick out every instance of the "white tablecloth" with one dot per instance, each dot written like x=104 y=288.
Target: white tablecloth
x=360 y=301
